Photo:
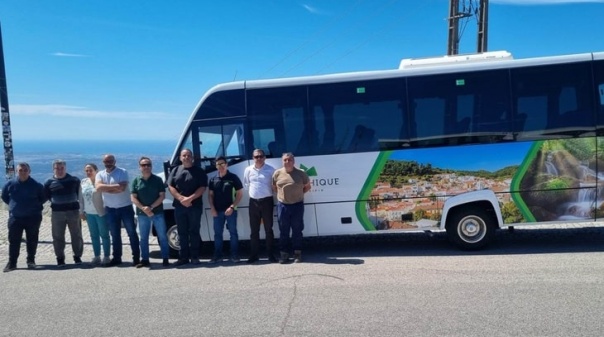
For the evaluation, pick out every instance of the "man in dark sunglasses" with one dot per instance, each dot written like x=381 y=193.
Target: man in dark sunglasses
x=147 y=193
x=257 y=180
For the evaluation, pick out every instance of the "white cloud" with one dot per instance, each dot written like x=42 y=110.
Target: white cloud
x=543 y=2
x=58 y=110
x=60 y=54
x=312 y=9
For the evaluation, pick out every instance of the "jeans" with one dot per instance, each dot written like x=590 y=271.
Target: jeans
x=231 y=222
x=144 y=226
x=188 y=222
x=261 y=210
x=71 y=220
x=115 y=217
x=291 y=218
x=16 y=226
x=98 y=230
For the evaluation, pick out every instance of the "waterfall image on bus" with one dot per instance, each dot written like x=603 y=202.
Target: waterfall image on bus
x=467 y=145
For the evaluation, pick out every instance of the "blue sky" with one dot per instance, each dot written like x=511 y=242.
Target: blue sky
x=473 y=158
x=99 y=69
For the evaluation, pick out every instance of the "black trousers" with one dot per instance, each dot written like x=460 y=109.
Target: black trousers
x=261 y=211
x=16 y=226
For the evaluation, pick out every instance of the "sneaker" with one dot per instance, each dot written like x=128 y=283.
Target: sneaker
x=143 y=263
x=10 y=267
x=215 y=260
x=284 y=258
x=114 y=262
x=297 y=256
x=272 y=258
x=252 y=259
x=235 y=260
x=181 y=262
x=166 y=263
x=136 y=261
x=96 y=261
x=77 y=260
x=60 y=262
x=106 y=260
x=195 y=261
x=31 y=264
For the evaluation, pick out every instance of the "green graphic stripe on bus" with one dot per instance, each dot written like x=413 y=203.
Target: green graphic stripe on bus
x=515 y=186
x=365 y=194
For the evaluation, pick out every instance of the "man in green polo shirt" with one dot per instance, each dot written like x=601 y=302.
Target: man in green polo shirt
x=147 y=194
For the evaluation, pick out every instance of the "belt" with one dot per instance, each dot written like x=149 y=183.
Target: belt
x=258 y=200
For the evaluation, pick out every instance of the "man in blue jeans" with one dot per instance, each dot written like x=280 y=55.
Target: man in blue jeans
x=113 y=183
x=225 y=193
x=147 y=194
x=290 y=183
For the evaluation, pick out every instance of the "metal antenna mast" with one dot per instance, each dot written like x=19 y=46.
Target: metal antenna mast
x=463 y=10
x=6 y=131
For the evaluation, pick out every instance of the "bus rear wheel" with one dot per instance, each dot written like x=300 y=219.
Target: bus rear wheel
x=470 y=228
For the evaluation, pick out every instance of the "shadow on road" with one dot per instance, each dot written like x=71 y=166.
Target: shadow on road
x=351 y=249
x=519 y=241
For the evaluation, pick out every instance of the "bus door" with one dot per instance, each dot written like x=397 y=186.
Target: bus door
x=225 y=138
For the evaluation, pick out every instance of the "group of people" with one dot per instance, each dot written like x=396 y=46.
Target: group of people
x=105 y=199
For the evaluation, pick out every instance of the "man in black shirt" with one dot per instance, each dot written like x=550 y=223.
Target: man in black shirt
x=225 y=193
x=187 y=184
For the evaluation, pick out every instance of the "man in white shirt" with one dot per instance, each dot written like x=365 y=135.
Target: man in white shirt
x=113 y=183
x=257 y=179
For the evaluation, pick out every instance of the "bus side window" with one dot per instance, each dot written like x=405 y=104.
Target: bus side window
x=598 y=93
x=601 y=92
x=263 y=137
x=274 y=150
x=363 y=140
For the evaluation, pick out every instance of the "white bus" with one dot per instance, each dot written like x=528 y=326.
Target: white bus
x=466 y=147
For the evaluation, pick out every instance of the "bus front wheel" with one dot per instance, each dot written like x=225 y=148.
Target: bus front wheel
x=173 y=240
x=470 y=228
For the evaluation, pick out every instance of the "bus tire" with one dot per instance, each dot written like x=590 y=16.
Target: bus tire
x=470 y=228
x=172 y=233
x=173 y=240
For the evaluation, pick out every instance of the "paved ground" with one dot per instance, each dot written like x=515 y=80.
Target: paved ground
x=45 y=251
x=45 y=254
x=528 y=283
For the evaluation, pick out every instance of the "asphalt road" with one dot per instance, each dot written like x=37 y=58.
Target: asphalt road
x=546 y=282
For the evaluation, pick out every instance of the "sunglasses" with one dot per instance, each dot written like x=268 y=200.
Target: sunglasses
x=145 y=165
x=258 y=157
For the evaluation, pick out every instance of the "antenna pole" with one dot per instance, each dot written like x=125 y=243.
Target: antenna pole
x=6 y=132
x=453 y=42
x=469 y=9
x=483 y=18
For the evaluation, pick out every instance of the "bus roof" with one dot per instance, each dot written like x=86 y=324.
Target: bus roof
x=438 y=68
x=449 y=59
x=494 y=62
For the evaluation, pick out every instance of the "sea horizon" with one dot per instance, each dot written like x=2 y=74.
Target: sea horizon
x=40 y=154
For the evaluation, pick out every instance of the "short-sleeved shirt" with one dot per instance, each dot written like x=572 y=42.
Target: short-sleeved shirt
x=115 y=200
x=186 y=181
x=290 y=185
x=147 y=191
x=224 y=188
